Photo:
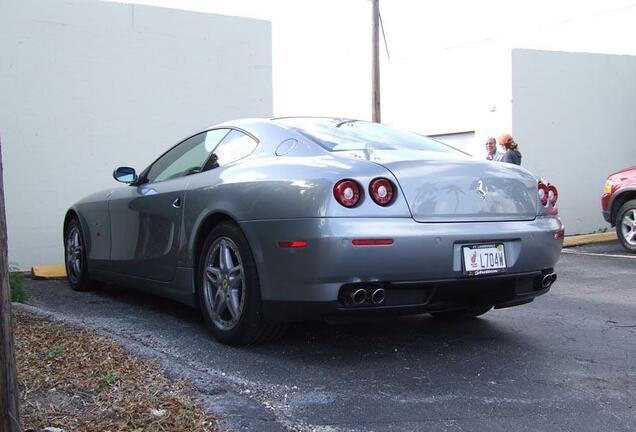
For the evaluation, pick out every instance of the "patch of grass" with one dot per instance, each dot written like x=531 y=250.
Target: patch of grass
x=37 y=416
x=16 y=283
x=54 y=352
x=109 y=378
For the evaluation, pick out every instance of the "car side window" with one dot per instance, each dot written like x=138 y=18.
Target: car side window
x=185 y=158
x=236 y=145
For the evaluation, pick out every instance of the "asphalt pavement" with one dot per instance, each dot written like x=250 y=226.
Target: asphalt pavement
x=566 y=362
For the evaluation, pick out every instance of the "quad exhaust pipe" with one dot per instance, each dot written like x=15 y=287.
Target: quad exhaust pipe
x=378 y=296
x=548 y=280
x=361 y=295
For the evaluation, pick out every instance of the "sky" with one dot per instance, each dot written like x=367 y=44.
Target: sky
x=446 y=65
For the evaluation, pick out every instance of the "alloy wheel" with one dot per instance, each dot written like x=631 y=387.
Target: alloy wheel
x=74 y=253
x=628 y=227
x=224 y=283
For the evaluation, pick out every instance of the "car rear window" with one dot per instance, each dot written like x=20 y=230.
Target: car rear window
x=344 y=135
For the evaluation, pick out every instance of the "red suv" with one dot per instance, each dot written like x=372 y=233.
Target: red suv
x=619 y=205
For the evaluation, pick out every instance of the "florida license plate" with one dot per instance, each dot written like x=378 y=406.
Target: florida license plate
x=481 y=259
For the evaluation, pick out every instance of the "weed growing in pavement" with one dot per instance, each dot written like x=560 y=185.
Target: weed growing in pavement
x=54 y=352
x=16 y=282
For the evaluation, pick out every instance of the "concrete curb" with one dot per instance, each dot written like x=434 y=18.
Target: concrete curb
x=578 y=240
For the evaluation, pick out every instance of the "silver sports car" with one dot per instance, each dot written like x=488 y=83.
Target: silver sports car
x=261 y=222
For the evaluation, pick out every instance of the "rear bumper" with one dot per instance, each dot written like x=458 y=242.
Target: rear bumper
x=424 y=258
x=420 y=297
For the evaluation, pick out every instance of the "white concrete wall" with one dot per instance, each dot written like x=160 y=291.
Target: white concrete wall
x=464 y=141
x=574 y=117
x=88 y=85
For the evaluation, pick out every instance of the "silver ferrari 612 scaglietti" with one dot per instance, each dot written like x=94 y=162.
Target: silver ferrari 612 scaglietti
x=261 y=222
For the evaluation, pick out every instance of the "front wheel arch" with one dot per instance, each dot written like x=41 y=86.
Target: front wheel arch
x=70 y=214
x=618 y=201
x=82 y=280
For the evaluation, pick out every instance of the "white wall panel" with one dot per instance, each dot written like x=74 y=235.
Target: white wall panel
x=86 y=86
x=574 y=117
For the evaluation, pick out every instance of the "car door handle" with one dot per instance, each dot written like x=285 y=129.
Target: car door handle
x=177 y=203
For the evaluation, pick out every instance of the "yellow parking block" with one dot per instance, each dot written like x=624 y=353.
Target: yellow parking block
x=578 y=240
x=49 y=271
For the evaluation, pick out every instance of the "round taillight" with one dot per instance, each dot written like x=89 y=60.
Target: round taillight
x=553 y=195
x=381 y=191
x=542 y=189
x=347 y=192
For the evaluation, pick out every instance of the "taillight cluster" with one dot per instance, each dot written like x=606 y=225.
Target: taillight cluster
x=349 y=193
x=548 y=194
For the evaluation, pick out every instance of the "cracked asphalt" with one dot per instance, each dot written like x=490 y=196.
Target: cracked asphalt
x=566 y=362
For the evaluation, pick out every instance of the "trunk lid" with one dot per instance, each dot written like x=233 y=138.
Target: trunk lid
x=458 y=188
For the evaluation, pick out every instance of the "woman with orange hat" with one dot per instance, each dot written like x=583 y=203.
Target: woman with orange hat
x=511 y=154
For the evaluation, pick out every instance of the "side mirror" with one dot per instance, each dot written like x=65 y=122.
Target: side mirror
x=125 y=175
x=211 y=163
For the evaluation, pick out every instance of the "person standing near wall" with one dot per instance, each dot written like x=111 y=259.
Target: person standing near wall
x=491 y=150
x=511 y=153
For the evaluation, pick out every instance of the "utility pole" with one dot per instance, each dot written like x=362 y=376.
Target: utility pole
x=375 y=74
x=9 y=408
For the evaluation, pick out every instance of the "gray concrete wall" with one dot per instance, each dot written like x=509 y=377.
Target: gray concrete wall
x=574 y=117
x=87 y=86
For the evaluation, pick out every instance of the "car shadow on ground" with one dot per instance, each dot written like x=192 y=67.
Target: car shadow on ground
x=348 y=337
x=149 y=302
x=421 y=336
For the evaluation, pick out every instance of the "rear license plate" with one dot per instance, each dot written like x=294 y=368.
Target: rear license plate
x=481 y=259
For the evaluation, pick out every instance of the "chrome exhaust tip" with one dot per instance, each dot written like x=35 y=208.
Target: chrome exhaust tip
x=378 y=296
x=548 y=280
x=359 y=296
x=545 y=283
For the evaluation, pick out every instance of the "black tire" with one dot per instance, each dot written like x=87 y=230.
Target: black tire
x=247 y=326
x=471 y=312
x=627 y=212
x=76 y=274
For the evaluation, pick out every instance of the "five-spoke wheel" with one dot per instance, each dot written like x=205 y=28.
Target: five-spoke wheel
x=223 y=283
x=229 y=291
x=75 y=257
x=74 y=253
x=626 y=225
